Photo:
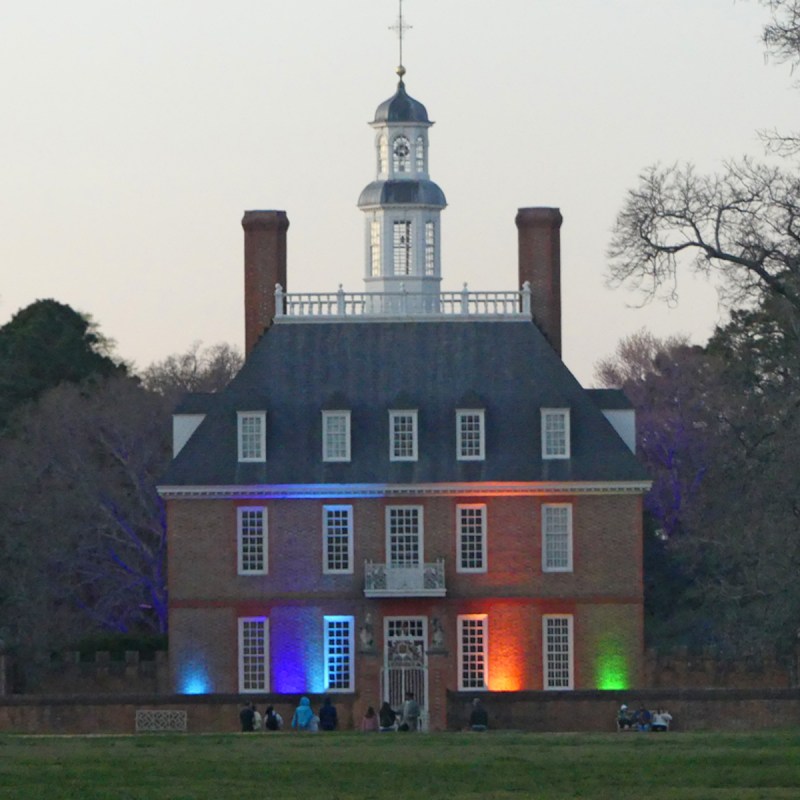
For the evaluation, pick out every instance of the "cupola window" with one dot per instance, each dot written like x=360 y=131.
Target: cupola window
x=375 y=248
x=383 y=156
x=420 y=154
x=401 y=155
x=401 y=244
x=430 y=248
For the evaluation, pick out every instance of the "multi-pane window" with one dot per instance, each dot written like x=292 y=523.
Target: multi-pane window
x=430 y=248
x=473 y=650
x=339 y=654
x=335 y=435
x=555 y=433
x=251 y=535
x=557 y=651
x=337 y=539
x=420 y=154
x=470 y=436
x=557 y=537
x=375 y=248
x=403 y=435
x=252 y=435
x=383 y=155
x=404 y=535
x=253 y=654
x=471 y=521
x=401 y=152
x=401 y=247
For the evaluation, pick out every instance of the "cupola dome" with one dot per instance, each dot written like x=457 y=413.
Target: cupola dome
x=401 y=108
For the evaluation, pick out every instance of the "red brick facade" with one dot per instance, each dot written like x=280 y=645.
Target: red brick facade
x=602 y=593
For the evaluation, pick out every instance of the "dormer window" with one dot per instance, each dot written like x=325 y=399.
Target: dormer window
x=470 y=436
x=555 y=433
x=403 y=435
x=252 y=435
x=401 y=155
x=335 y=435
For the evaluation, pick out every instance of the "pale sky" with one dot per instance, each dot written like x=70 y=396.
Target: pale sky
x=135 y=135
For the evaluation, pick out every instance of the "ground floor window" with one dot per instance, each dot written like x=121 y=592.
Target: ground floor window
x=557 y=651
x=339 y=654
x=473 y=651
x=253 y=654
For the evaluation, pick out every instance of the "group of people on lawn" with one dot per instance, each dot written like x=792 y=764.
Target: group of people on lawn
x=642 y=719
x=385 y=720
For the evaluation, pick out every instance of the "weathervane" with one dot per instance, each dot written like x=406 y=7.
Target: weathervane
x=401 y=27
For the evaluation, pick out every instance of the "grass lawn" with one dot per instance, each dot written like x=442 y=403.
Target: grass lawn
x=335 y=766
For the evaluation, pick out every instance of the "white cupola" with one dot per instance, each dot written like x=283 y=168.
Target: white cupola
x=402 y=206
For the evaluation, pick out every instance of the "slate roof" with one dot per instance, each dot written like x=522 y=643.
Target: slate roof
x=401 y=107
x=405 y=192
x=610 y=399
x=298 y=369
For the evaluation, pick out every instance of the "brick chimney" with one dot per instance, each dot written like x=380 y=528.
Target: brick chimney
x=264 y=266
x=540 y=263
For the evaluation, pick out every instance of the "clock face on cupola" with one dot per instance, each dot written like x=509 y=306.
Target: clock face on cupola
x=402 y=205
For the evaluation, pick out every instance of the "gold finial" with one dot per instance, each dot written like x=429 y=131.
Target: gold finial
x=401 y=27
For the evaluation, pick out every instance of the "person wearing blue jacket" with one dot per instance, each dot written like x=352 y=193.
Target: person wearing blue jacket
x=304 y=718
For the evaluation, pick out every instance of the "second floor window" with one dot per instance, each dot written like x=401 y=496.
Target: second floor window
x=557 y=537
x=337 y=539
x=251 y=535
x=402 y=435
x=471 y=522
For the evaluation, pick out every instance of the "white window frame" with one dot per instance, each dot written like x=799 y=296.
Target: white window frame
x=419 y=533
x=479 y=670
x=328 y=453
x=549 y=534
x=375 y=248
x=253 y=665
x=430 y=247
x=552 y=682
x=462 y=534
x=339 y=653
x=245 y=540
x=419 y=153
x=396 y=415
x=402 y=242
x=329 y=530
x=549 y=452
x=242 y=419
x=461 y=441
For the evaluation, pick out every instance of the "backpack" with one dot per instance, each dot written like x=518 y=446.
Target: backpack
x=272 y=721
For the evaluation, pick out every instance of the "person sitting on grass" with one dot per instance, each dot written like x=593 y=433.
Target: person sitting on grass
x=624 y=718
x=643 y=719
x=387 y=718
x=661 y=720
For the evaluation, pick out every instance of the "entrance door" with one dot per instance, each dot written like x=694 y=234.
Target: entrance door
x=405 y=662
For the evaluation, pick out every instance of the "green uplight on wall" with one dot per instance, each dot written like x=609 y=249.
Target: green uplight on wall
x=612 y=669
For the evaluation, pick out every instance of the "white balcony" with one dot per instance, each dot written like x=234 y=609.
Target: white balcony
x=344 y=306
x=416 y=580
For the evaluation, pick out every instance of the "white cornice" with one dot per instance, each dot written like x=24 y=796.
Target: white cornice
x=341 y=490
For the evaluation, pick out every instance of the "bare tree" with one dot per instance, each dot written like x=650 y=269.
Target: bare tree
x=196 y=370
x=739 y=225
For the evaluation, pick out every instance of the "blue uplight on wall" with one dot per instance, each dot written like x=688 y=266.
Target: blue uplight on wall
x=194 y=679
x=296 y=641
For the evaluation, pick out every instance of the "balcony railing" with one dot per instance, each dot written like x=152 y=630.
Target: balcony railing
x=417 y=580
x=365 y=306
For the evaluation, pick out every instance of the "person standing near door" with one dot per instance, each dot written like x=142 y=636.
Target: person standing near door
x=410 y=713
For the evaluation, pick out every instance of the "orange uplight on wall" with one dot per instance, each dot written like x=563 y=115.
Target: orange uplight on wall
x=507 y=669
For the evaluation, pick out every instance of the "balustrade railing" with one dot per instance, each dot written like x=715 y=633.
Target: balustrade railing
x=408 y=580
x=342 y=305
